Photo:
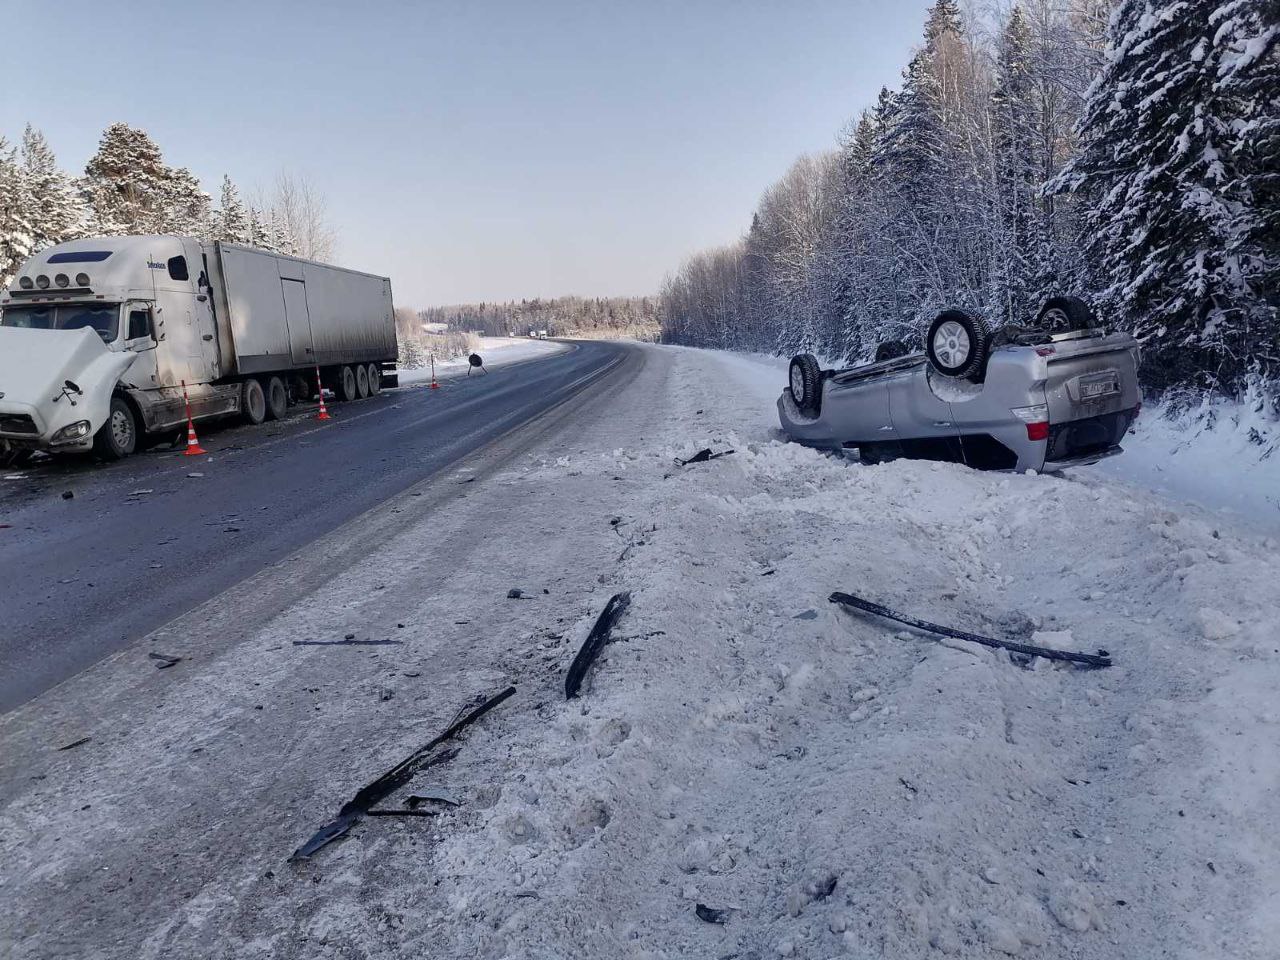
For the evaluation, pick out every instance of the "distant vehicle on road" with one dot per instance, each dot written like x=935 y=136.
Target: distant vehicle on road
x=1061 y=393
x=98 y=336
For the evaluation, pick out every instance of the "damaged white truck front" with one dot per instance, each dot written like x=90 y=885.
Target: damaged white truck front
x=99 y=338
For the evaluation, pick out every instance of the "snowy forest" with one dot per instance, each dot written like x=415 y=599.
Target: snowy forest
x=1127 y=152
x=127 y=188
x=635 y=317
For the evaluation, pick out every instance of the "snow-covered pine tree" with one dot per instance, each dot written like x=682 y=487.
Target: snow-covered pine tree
x=52 y=207
x=125 y=183
x=259 y=235
x=1246 y=38
x=928 y=167
x=187 y=211
x=281 y=233
x=1170 y=209
x=1016 y=244
x=232 y=220
x=15 y=230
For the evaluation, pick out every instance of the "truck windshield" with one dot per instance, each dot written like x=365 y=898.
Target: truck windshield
x=102 y=317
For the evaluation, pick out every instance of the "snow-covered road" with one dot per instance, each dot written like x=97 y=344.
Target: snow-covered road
x=745 y=744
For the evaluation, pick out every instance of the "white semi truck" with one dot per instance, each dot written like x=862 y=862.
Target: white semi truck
x=98 y=336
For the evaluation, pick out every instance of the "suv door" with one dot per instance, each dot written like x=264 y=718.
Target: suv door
x=923 y=423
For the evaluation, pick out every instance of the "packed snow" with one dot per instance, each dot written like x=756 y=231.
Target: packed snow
x=823 y=784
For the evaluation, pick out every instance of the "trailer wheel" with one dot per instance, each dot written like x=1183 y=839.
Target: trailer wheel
x=277 y=398
x=253 y=404
x=375 y=380
x=118 y=437
x=362 y=382
x=345 y=386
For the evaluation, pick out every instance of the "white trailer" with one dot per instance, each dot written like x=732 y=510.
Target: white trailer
x=98 y=337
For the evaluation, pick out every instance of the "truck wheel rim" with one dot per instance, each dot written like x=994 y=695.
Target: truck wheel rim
x=951 y=344
x=797 y=384
x=121 y=429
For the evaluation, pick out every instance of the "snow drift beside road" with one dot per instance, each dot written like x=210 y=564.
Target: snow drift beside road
x=840 y=786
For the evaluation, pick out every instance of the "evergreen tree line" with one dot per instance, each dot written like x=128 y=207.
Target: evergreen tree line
x=1127 y=152
x=560 y=316
x=127 y=188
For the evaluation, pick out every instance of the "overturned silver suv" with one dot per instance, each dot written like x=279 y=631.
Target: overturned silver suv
x=1059 y=393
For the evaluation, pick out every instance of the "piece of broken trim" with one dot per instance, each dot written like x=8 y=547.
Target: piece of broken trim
x=702 y=456
x=710 y=914
x=393 y=779
x=345 y=643
x=596 y=639
x=432 y=796
x=1100 y=659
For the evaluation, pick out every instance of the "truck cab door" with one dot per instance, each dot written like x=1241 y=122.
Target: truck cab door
x=140 y=338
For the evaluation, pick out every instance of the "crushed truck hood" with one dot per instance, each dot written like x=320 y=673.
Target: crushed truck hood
x=34 y=364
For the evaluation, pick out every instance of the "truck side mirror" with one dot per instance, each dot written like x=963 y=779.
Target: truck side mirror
x=72 y=386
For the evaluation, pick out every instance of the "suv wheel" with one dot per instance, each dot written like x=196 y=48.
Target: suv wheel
x=1065 y=314
x=805 y=381
x=958 y=344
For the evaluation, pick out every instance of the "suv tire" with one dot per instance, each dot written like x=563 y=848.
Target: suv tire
x=805 y=383
x=1065 y=314
x=958 y=345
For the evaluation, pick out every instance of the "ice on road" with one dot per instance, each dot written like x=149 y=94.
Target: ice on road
x=836 y=785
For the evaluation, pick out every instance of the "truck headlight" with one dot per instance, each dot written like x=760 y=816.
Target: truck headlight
x=72 y=431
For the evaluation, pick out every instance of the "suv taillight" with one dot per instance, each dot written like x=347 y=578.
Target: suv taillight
x=1036 y=418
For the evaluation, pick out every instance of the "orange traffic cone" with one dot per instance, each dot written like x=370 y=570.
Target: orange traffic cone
x=193 y=445
x=434 y=385
x=324 y=411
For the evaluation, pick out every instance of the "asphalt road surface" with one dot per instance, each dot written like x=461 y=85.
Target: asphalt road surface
x=145 y=540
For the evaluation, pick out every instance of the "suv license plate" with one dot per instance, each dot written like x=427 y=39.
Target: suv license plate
x=1099 y=388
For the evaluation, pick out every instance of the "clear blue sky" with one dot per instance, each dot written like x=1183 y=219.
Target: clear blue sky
x=472 y=150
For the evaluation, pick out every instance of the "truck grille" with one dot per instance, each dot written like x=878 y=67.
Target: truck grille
x=1079 y=438
x=17 y=423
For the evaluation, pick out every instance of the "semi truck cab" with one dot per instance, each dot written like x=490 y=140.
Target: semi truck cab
x=101 y=338
x=86 y=320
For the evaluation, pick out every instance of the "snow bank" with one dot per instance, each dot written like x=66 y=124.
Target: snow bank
x=1222 y=455
x=961 y=804
x=836 y=784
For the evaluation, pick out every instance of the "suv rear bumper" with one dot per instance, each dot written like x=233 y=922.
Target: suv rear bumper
x=1088 y=439
x=1082 y=461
